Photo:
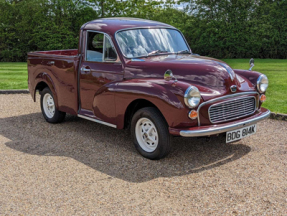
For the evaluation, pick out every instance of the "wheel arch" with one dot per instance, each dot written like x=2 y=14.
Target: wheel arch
x=40 y=86
x=136 y=105
x=43 y=80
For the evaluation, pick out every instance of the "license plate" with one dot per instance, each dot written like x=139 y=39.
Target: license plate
x=238 y=134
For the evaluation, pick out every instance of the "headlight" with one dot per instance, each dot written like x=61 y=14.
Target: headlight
x=192 y=97
x=262 y=83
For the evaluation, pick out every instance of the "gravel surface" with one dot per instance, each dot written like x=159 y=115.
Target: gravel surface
x=84 y=168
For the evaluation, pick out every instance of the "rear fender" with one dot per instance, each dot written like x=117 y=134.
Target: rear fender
x=44 y=77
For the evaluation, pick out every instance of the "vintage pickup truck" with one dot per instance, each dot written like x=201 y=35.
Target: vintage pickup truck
x=142 y=75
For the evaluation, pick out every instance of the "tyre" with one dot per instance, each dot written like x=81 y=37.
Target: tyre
x=48 y=107
x=150 y=134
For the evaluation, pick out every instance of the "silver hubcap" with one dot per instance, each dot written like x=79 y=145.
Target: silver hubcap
x=146 y=134
x=49 y=105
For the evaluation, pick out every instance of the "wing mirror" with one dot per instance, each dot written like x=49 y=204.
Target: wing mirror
x=168 y=75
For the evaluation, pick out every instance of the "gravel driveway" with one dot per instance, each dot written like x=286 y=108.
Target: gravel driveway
x=83 y=168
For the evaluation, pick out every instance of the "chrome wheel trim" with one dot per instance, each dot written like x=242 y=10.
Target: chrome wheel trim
x=48 y=105
x=146 y=134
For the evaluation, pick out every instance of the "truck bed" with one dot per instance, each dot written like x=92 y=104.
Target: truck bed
x=58 y=69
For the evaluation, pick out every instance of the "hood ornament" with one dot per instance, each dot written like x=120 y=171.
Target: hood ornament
x=168 y=75
x=233 y=88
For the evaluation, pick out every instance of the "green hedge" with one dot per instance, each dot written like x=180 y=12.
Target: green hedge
x=221 y=29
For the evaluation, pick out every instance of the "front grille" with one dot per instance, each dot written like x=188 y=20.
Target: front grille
x=232 y=109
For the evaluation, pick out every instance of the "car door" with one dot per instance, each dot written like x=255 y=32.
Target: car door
x=100 y=66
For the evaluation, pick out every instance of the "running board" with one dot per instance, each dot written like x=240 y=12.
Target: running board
x=98 y=121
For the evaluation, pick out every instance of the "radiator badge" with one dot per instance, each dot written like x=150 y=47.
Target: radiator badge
x=233 y=88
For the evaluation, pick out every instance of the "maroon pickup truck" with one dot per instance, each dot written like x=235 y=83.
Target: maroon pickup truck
x=142 y=75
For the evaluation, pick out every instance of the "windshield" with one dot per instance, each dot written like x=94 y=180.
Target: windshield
x=142 y=42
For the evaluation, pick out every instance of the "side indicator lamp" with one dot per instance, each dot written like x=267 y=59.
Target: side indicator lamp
x=262 y=98
x=192 y=114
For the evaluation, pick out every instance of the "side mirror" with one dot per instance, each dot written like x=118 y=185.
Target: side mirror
x=168 y=75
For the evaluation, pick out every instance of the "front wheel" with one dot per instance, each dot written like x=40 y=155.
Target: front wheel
x=150 y=133
x=48 y=107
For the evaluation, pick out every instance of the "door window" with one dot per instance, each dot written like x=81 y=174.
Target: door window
x=100 y=48
x=110 y=52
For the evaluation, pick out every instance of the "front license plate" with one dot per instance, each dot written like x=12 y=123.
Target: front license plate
x=240 y=133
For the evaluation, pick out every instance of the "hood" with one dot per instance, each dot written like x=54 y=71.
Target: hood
x=212 y=77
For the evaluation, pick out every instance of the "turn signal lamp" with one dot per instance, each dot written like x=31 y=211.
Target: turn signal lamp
x=192 y=114
x=262 y=98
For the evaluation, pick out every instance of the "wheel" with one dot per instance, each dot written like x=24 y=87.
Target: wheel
x=150 y=133
x=48 y=107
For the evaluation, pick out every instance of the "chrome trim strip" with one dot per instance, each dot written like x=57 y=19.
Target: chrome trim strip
x=104 y=47
x=222 y=129
x=255 y=108
x=222 y=98
x=232 y=76
x=98 y=121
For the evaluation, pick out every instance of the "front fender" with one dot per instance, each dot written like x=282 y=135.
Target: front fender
x=252 y=76
x=165 y=95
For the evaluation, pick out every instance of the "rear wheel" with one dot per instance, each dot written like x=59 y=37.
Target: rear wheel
x=48 y=107
x=150 y=133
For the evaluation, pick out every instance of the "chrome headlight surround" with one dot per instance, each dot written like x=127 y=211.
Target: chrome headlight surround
x=192 y=97
x=262 y=83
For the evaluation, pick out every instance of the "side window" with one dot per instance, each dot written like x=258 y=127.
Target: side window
x=110 y=52
x=99 y=48
x=95 y=46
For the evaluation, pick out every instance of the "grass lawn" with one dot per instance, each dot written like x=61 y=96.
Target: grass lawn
x=14 y=76
x=276 y=71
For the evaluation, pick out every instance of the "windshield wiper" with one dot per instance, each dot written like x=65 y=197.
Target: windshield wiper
x=183 y=52
x=156 y=52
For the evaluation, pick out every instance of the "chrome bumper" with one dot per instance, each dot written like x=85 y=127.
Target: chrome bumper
x=207 y=131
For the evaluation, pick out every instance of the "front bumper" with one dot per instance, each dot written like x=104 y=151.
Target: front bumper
x=221 y=128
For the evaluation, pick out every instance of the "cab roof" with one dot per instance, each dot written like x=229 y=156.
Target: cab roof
x=112 y=25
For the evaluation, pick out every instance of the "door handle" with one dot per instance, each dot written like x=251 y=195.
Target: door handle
x=87 y=70
x=50 y=63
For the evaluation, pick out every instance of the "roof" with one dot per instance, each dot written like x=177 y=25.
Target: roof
x=111 y=25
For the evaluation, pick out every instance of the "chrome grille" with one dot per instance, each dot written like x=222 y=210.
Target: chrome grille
x=232 y=109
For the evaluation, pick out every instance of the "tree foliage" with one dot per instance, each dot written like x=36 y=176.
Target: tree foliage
x=240 y=28
x=31 y=25
x=217 y=28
